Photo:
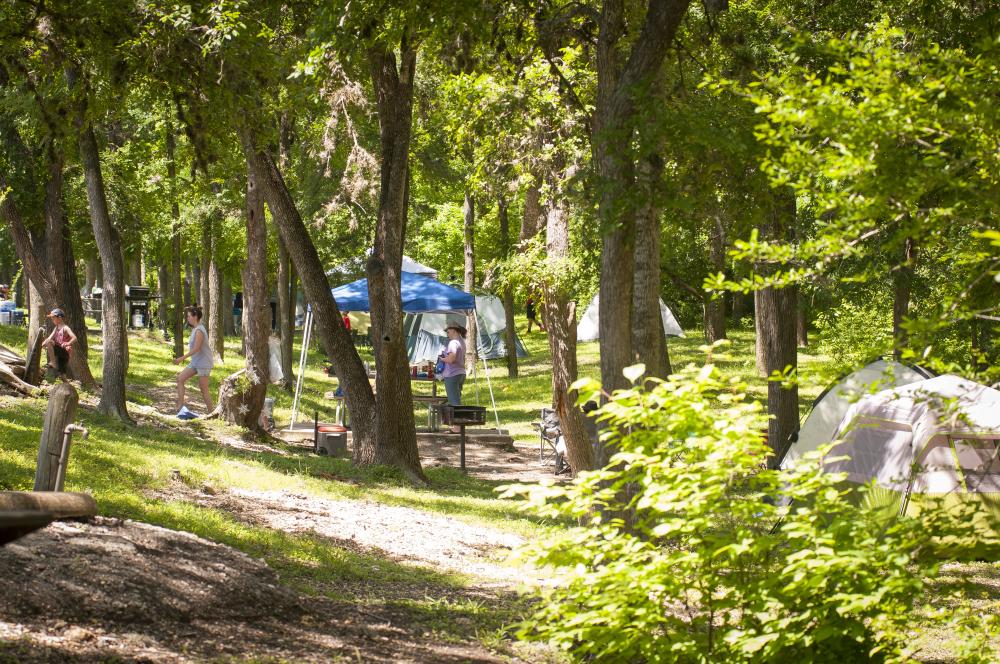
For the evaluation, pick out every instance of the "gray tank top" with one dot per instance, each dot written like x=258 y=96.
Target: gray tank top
x=203 y=359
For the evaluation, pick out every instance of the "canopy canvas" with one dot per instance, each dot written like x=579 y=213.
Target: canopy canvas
x=420 y=294
x=425 y=332
x=587 y=329
x=357 y=266
x=829 y=408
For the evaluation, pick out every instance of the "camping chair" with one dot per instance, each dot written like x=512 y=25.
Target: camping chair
x=548 y=432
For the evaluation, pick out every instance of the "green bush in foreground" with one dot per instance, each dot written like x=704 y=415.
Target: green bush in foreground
x=711 y=567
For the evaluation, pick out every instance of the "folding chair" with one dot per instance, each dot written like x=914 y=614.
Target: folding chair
x=546 y=436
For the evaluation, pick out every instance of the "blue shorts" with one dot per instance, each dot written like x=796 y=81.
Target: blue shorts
x=201 y=372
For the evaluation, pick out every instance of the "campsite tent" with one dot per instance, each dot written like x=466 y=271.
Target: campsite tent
x=937 y=436
x=830 y=407
x=357 y=266
x=587 y=329
x=425 y=337
x=420 y=294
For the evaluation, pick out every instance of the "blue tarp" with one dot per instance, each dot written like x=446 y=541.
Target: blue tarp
x=420 y=295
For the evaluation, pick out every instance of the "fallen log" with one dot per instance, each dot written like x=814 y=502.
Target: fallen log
x=7 y=356
x=60 y=504
x=8 y=377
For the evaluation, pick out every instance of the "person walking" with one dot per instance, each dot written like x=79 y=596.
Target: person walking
x=531 y=314
x=201 y=364
x=453 y=357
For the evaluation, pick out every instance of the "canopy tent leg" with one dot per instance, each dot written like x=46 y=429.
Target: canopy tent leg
x=489 y=384
x=306 y=334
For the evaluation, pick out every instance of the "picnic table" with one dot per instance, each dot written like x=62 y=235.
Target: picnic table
x=424 y=400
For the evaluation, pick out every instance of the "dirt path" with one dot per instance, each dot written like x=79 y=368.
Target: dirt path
x=401 y=534
x=125 y=591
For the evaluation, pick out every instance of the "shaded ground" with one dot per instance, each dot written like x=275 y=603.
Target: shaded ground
x=125 y=591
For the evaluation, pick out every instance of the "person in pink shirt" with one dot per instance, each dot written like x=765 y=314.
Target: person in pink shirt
x=60 y=343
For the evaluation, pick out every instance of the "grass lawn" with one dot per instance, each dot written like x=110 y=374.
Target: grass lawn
x=130 y=469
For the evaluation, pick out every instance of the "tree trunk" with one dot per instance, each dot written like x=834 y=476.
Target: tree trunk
x=60 y=257
x=560 y=321
x=215 y=308
x=902 y=283
x=166 y=297
x=329 y=324
x=113 y=297
x=801 y=325
x=286 y=312
x=533 y=219
x=177 y=310
x=92 y=271
x=240 y=401
x=510 y=331
x=396 y=432
x=228 y=323
x=36 y=325
x=204 y=292
x=776 y=341
x=469 y=215
x=192 y=282
x=715 y=307
x=619 y=78
x=648 y=337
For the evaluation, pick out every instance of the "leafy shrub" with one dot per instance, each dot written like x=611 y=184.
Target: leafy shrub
x=853 y=333
x=709 y=566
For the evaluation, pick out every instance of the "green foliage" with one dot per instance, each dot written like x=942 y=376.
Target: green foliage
x=684 y=552
x=855 y=331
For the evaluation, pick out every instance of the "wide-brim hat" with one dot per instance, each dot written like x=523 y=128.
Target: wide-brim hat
x=458 y=328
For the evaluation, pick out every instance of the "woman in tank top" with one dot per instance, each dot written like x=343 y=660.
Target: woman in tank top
x=201 y=363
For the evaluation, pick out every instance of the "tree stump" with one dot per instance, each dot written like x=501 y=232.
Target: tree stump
x=63 y=401
x=33 y=372
x=236 y=400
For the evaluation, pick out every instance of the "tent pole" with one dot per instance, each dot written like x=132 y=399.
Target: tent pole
x=489 y=383
x=306 y=334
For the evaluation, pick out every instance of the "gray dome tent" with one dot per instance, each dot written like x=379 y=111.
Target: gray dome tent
x=829 y=408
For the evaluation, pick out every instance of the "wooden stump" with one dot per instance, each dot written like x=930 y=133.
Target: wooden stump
x=33 y=373
x=63 y=401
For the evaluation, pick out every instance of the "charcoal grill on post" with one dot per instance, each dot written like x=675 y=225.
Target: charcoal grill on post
x=461 y=416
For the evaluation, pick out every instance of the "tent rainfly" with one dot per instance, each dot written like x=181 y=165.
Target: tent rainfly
x=830 y=407
x=425 y=338
x=588 y=330
x=935 y=436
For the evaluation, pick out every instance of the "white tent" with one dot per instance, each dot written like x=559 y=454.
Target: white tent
x=830 y=407
x=357 y=266
x=425 y=332
x=587 y=328
x=938 y=436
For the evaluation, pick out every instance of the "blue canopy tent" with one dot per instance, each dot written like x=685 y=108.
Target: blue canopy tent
x=420 y=294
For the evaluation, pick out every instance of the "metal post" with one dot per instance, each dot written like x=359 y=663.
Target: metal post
x=306 y=334
x=462 y=444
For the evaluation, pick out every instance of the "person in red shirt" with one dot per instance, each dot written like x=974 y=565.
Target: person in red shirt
x=60 y=343
x=347 y=321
